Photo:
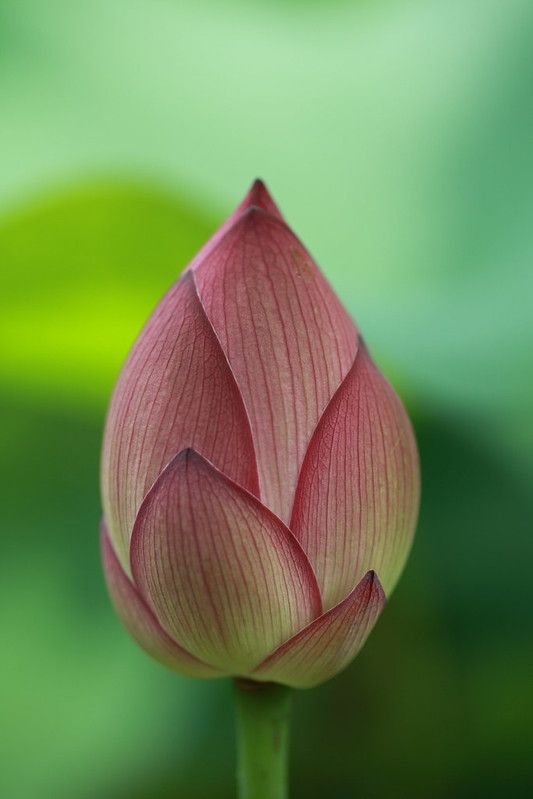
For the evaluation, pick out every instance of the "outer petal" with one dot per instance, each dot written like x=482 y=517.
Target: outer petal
x=225 y=576
x=176 y=390
x=287 y=338
x=328 y=644
x=357 y=498
x=141 y=622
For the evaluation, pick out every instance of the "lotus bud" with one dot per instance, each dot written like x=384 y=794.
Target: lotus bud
x=260 y=476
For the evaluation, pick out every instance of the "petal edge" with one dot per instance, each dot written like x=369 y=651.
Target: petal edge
x=286 y=336
x=141 y=623
x=258 y=196
x=356 y=502
x=327 y=645
x=175 y=390
x=224 y=575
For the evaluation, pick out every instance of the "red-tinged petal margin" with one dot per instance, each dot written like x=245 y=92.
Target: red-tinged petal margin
x=357 y=498
x=176 y=390
x=328 y=644
x=224 y=576
x=259 y=197
x=287 y=338
x=141 y=623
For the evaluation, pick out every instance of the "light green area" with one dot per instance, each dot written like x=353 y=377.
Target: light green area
x=397 y=137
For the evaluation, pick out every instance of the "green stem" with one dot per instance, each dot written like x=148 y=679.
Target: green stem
x=263 y=711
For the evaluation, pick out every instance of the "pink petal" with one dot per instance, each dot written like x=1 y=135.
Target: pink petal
x=258 y=196
x=328 y=644
x=287 y=338
x=175 y=390
x=357 y=498
x=141 y=623
x=224 y=575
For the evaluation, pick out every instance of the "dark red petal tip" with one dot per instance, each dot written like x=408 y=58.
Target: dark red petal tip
x=374 y=585
x=330 y=642
x=259 y=195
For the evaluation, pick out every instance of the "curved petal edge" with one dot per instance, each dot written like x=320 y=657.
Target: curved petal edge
x=225 y=577
x=141 y=623
x=357 y=498
x=287 y=338
x=327 y=645
x=176 y=390
x=258 y=196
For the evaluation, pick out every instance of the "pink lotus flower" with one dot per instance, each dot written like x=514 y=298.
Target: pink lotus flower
x=258 y=472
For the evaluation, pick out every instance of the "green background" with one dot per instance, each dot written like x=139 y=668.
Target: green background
x=397 y=136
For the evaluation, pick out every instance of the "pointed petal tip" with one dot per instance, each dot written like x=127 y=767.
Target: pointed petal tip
x=258 y=195
x=256 y=211
x=262 y=220
x=370 y=577
x=252 y=210
x=187 y=454
x=328 y=644
x=258 y=186
x=373 y=582
x=249 y=217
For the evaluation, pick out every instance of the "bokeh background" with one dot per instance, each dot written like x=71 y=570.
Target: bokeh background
x=397 y=136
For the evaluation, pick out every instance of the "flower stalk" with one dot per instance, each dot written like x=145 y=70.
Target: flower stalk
x=262 y=721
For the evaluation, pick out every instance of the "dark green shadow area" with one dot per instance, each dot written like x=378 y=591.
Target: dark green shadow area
x=439 y=701
x=88 y=713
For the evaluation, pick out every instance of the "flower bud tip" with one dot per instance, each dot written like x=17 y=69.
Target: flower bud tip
x=259 y=195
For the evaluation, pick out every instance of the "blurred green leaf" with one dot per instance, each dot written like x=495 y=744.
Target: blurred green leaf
x=81 y=271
